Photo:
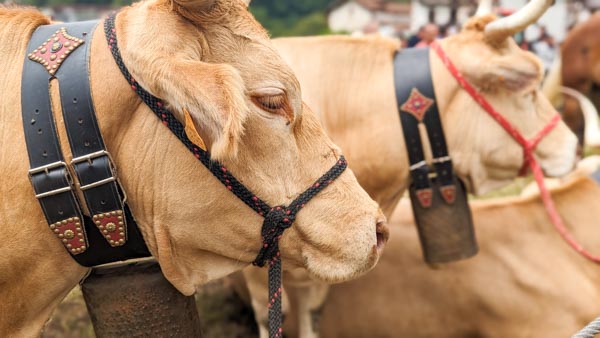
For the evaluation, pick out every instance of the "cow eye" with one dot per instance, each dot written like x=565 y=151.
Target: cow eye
x=270 y=103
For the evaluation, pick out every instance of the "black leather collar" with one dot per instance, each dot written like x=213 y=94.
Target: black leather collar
x=62 y=52
x=439 y=199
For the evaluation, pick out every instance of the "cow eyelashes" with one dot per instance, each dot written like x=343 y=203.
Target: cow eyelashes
x=270 y=103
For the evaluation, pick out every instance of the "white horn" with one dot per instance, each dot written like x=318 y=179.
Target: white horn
x=591 y=133
x=484 y=8
x=516 y=22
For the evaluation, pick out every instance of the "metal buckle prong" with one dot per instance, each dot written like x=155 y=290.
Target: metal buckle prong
x=47 y=168
x=53 y=192
x=418 y=165
x=97 y=184
x=442 y=159
x=89 y=157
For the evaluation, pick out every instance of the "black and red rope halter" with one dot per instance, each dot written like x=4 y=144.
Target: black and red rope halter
x=277 y=219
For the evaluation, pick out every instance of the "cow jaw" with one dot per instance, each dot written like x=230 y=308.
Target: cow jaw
x=487 y=155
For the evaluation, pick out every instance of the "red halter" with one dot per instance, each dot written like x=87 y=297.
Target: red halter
x=529 y=146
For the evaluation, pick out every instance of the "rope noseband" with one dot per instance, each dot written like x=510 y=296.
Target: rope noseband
x=277 y=219
x=529 y=147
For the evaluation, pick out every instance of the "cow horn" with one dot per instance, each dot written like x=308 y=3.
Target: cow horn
x=484 y=8
x=516 y=22
x=590 y=117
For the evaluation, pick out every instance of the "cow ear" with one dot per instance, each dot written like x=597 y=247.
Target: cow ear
x=515 y=72
x=215 y=122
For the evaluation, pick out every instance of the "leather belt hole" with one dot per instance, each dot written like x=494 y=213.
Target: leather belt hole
x=33 y=122
x=37 y=111
x=86 y=143
x=60 y=212
x=80 y=121
x=74 y=100
x=103 y=202
x=40 y=131
x=45 y=154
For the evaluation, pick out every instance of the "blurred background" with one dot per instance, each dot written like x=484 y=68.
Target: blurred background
x=412 y=21
x=399 y=18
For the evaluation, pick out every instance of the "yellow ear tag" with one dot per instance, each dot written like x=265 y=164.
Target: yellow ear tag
x=191 y=132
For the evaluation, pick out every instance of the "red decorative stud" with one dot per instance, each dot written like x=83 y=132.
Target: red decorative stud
x=417 y=104
x=55 y=50
x=71 y=234
x=425 y=197
x=448 y=193
x=112 y=226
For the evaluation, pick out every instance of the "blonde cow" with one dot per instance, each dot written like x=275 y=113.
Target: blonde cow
x=525 y=281
x=213 y=59
x=350 y=83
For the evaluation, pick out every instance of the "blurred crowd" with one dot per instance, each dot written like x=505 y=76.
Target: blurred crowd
x=538 y=41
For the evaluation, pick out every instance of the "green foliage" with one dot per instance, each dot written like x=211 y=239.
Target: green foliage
x=279 y=17
x=292 y=18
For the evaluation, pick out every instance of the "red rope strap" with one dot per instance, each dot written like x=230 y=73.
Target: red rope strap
x=528 y=149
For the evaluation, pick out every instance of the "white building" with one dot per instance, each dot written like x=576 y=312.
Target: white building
x=349 y=16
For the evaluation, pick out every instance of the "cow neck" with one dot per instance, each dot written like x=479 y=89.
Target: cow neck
x=528 y=145
x=277 y=219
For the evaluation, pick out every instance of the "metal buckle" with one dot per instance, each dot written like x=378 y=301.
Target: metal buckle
x=442 y=159
x=46 y=169
x=418 y=165
x=90 y=159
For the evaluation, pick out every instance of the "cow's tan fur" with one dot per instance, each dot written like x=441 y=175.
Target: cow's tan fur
x=349 y=82
x=195 y=227
x=525 y=281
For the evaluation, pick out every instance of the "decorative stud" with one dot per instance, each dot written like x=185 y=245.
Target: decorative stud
x=425 y=197
x=71 y=234
x=112 y=227
x=448 y=193
x=60 y=45
x=417 y=104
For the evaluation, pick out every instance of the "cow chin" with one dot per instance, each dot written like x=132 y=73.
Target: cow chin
x=340 y=268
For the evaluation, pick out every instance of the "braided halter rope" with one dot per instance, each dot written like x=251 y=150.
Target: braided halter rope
x=277 y=219
x=528 y=149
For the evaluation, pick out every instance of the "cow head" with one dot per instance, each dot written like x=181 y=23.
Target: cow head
x=213 y=60
x=509 y=78
x=580 y=70
x=580 y=53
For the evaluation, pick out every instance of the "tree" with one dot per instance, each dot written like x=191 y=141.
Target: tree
x=288 y=18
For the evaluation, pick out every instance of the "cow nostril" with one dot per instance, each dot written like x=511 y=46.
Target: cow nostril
x=382 y=233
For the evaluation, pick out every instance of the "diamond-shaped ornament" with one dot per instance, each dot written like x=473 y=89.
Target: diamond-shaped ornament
x=54 y=51
x=417 y=104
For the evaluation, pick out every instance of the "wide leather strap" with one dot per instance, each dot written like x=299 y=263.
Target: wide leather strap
x=49 y=174
x=91 y=162
x=62 y=52
x=440 y=202
x=416 y=103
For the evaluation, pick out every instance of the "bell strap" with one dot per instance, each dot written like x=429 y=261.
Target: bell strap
x=416 y=104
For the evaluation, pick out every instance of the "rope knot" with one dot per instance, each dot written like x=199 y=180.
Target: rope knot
x=276 y=221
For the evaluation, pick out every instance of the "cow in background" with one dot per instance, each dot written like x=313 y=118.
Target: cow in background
x=525 y=281
x=349 y=82
x=578 y=69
